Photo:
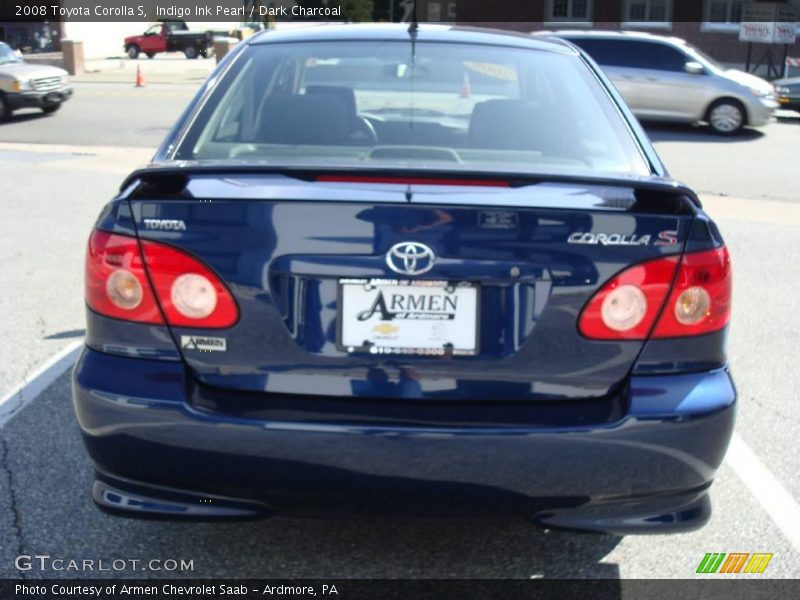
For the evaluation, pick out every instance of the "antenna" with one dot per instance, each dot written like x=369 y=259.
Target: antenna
x=414 y=26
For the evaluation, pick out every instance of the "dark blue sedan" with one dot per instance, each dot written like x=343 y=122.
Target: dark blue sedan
x=407 y=270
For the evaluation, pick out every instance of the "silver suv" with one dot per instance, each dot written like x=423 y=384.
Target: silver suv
x=667 y=79
x=25 y=85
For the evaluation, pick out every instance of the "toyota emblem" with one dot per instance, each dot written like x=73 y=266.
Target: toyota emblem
x=410 y=258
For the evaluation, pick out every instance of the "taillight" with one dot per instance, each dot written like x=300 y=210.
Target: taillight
x=116 y=282
x=189 y=293
x=700 y=300
x=628 y=306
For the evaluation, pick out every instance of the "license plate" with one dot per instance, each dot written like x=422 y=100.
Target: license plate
x=52 y=98
x=387 y=316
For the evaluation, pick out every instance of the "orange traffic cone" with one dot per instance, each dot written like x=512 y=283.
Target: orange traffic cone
x=466 y=88
x=139 y=77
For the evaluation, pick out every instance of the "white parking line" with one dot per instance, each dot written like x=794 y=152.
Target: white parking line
x=16 y=399
x=781 y=507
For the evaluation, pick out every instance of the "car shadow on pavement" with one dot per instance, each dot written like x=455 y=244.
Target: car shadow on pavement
x=412 y=548
x=66 y=335
x=24 y=115
x=788 y=117
x=51 y=513
x=677 y=132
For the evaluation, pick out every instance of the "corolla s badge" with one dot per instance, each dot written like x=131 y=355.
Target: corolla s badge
x=665 y=238
x=410 y=258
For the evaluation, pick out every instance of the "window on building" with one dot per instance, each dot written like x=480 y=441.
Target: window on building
x=724 y=15
x=441 y=11
x=569 y=11
x=647 y=13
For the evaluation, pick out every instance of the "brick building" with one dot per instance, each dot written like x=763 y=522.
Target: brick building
x=712 y=25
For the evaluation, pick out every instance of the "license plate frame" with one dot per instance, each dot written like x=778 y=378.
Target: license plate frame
x=382 y=343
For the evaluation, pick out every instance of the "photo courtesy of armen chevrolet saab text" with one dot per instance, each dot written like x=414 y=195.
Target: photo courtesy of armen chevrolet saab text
x=407 y=270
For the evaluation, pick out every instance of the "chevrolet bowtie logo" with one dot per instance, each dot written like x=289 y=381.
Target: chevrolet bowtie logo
x=385 y=328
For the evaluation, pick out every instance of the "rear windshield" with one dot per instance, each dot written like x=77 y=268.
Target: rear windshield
x=423 y=106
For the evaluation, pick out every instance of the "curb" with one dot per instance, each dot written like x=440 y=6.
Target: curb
x=130 y=80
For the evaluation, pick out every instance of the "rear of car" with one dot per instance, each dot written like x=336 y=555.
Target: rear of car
x=25 y=85
x=667 y=79
x=436 y=271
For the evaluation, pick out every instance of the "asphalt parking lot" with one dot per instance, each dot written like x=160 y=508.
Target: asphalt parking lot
x=58 y=171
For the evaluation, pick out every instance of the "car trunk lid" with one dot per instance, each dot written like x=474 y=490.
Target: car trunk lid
x=305 y=258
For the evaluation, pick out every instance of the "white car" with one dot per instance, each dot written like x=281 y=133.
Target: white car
x=667 y=79
x=23 y=85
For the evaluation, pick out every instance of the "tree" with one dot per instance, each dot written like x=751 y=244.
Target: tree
x=357 y=10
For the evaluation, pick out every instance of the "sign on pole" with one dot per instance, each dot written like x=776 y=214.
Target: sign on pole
x=768 y=23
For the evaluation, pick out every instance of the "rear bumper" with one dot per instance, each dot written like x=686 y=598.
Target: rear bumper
x=38 y=99
x=646 y=472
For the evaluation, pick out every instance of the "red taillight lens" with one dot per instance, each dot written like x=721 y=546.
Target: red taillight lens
x=116 y=282
x=700 y=301
x=189 y=293
x=627 y=306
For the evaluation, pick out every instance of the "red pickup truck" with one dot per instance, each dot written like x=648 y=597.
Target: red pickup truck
x=170 y=36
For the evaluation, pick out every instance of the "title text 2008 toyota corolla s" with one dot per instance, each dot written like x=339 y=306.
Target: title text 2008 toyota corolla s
x=426 y=271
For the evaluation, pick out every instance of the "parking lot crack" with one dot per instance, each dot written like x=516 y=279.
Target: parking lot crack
x=775 y=412
x=16 y=519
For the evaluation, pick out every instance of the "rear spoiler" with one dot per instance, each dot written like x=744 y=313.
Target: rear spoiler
x=169 y=179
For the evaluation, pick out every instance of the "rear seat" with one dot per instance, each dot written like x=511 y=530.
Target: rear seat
x=324 y=116
x=361 y=131
x=511 y=125
x=304 y=119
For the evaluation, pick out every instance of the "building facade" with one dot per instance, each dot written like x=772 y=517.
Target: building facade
x=711 y=25
x=33 y=37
